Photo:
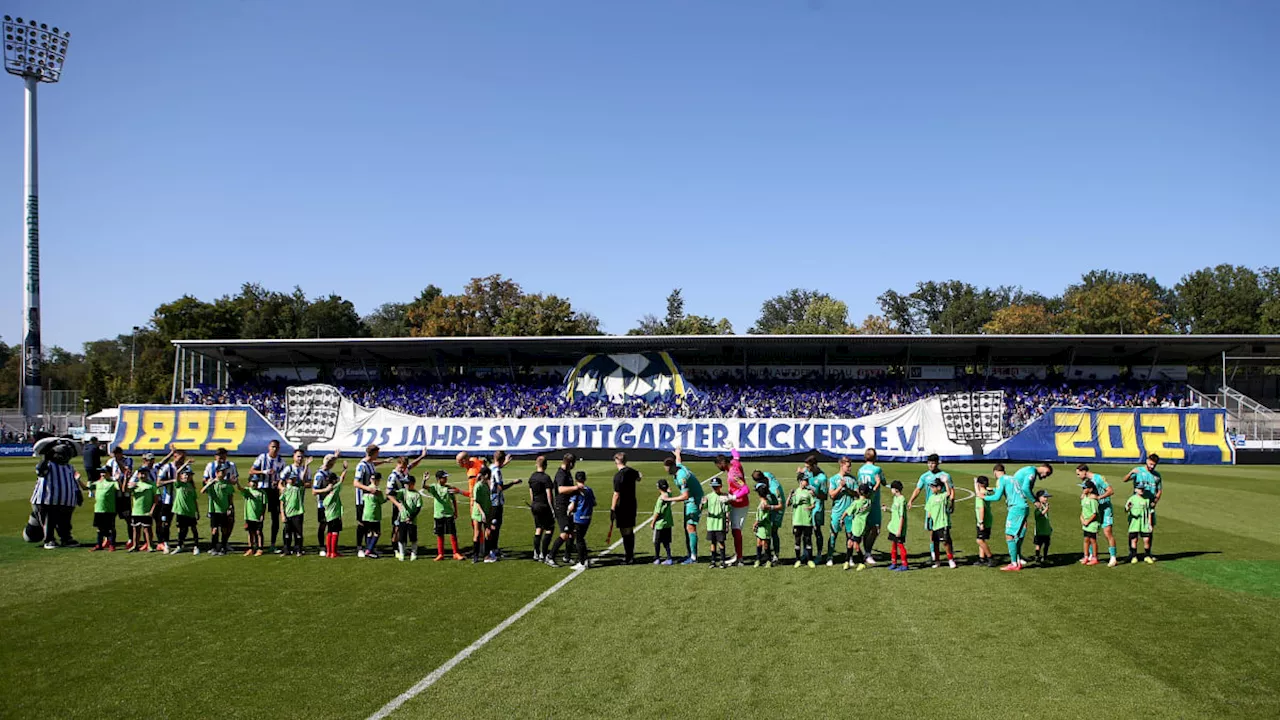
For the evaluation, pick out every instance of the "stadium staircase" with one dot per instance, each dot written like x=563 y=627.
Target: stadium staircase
x=1245 y=416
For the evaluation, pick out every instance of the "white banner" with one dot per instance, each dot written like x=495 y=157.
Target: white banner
x=1019 y=372
x=909 y=433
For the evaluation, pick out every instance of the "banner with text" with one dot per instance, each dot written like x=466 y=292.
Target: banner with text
x=956 y=426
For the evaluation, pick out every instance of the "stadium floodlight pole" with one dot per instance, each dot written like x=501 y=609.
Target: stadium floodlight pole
x=36 y=53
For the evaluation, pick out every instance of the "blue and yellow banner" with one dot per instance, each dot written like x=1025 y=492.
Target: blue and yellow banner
x=1177 y=435
x=200 y=429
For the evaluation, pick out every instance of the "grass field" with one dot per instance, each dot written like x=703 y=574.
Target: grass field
x=1195 y=635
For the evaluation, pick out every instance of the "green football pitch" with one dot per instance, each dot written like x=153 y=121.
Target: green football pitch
x=143 y=635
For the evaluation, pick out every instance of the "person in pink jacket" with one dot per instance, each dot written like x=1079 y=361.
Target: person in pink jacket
x=739 y=498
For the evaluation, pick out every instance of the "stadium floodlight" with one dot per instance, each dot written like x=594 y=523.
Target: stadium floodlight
x=36 y=53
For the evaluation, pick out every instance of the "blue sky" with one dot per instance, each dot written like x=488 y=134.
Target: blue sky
x=610 y=151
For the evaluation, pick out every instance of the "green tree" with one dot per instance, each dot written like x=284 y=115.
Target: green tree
x=676 y=322
x=1220 y=300
x=782 y=314
x=876 y=325
x=1107 y=302
x=495 y=305
x=1024 y=319
x=331 y=317
x=388 y=320
x=1269 y=311
x=948 y=307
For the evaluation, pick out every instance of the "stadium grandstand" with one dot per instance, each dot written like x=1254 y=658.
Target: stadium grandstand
x=750 y=376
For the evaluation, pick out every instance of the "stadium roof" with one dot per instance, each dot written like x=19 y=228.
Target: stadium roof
x=752 y=349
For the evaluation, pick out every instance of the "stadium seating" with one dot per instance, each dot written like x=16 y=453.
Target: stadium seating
x=472 y=397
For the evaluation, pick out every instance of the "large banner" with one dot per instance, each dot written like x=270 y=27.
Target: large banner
x=956 y=426
x=1122 y=435
x=199 y=429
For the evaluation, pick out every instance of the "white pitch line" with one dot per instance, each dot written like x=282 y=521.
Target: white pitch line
x=466 y=652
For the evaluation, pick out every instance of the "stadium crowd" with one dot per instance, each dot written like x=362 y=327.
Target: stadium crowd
x=472 y=397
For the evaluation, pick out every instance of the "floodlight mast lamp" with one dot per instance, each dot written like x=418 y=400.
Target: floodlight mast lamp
x=36 y=53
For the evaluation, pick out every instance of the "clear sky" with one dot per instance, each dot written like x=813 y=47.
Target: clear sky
x=610 y=151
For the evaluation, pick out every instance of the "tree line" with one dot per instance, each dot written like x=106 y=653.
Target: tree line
x=138 y=366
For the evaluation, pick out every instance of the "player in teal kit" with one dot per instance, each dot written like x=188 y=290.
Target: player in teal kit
x=843 y=489
x=821 y=487
x=691 y=493
x=925 y=483
x=1018 y=492
x=1147 y=479
x=871 y=476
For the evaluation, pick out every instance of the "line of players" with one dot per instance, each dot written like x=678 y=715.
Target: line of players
x=158 y=495
x=856 y=510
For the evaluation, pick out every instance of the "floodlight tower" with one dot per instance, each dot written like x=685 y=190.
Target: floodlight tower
x=35 y=52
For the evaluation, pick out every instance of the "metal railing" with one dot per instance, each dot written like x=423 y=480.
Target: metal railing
x=1245 y=416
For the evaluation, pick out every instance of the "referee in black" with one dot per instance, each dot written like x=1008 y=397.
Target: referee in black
x=564 y=490
x=540 y=503
x=622 y=513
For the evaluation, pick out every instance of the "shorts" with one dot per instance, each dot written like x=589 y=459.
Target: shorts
x=122 y=507
x=185 y=521
x=876 y=516
x=1153 y=519
x=140 y=521
x=495 y=516
x=764 y=532
x=715 y=537
x=692 y=513
x=372 y=527
x=320 y=516
x=737 y=516
x=624 y=516
x=1108 y=518
x=662 y=536
x=543 y=518
x=104 y=521
x=563 y=521
x=942 y=534
x=1090 y=535
x=900 y=539
x=395 y=516
x=273 y=500
x=1041 y=539
x=984 y=533
x=446 y=526
x=253 y=525
x=164 y=513
x=775 y=521
x=294 y=523
x=846 y=525
x=408 y=531
x=1015 y=525
x=334 y=525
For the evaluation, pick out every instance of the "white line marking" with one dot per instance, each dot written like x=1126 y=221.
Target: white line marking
x=466 y=652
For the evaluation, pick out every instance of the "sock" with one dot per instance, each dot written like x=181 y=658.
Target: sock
x=893 y=554
x=933 y=551
x=737 y=544
x=413 y=548
x=439 y=544
x=831 y=545
x=1111 y=549
x=1018 y=545
x=693 y=544
x=775 y=543
x=817 y=545
x=657 y=555
x=555 y=547
x=629 y=547
x=537 y=545
x=453 y=542
x=949 y=556
x=546 y=544
x=798 y=556
x=1013 y=551
x=870 y=545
